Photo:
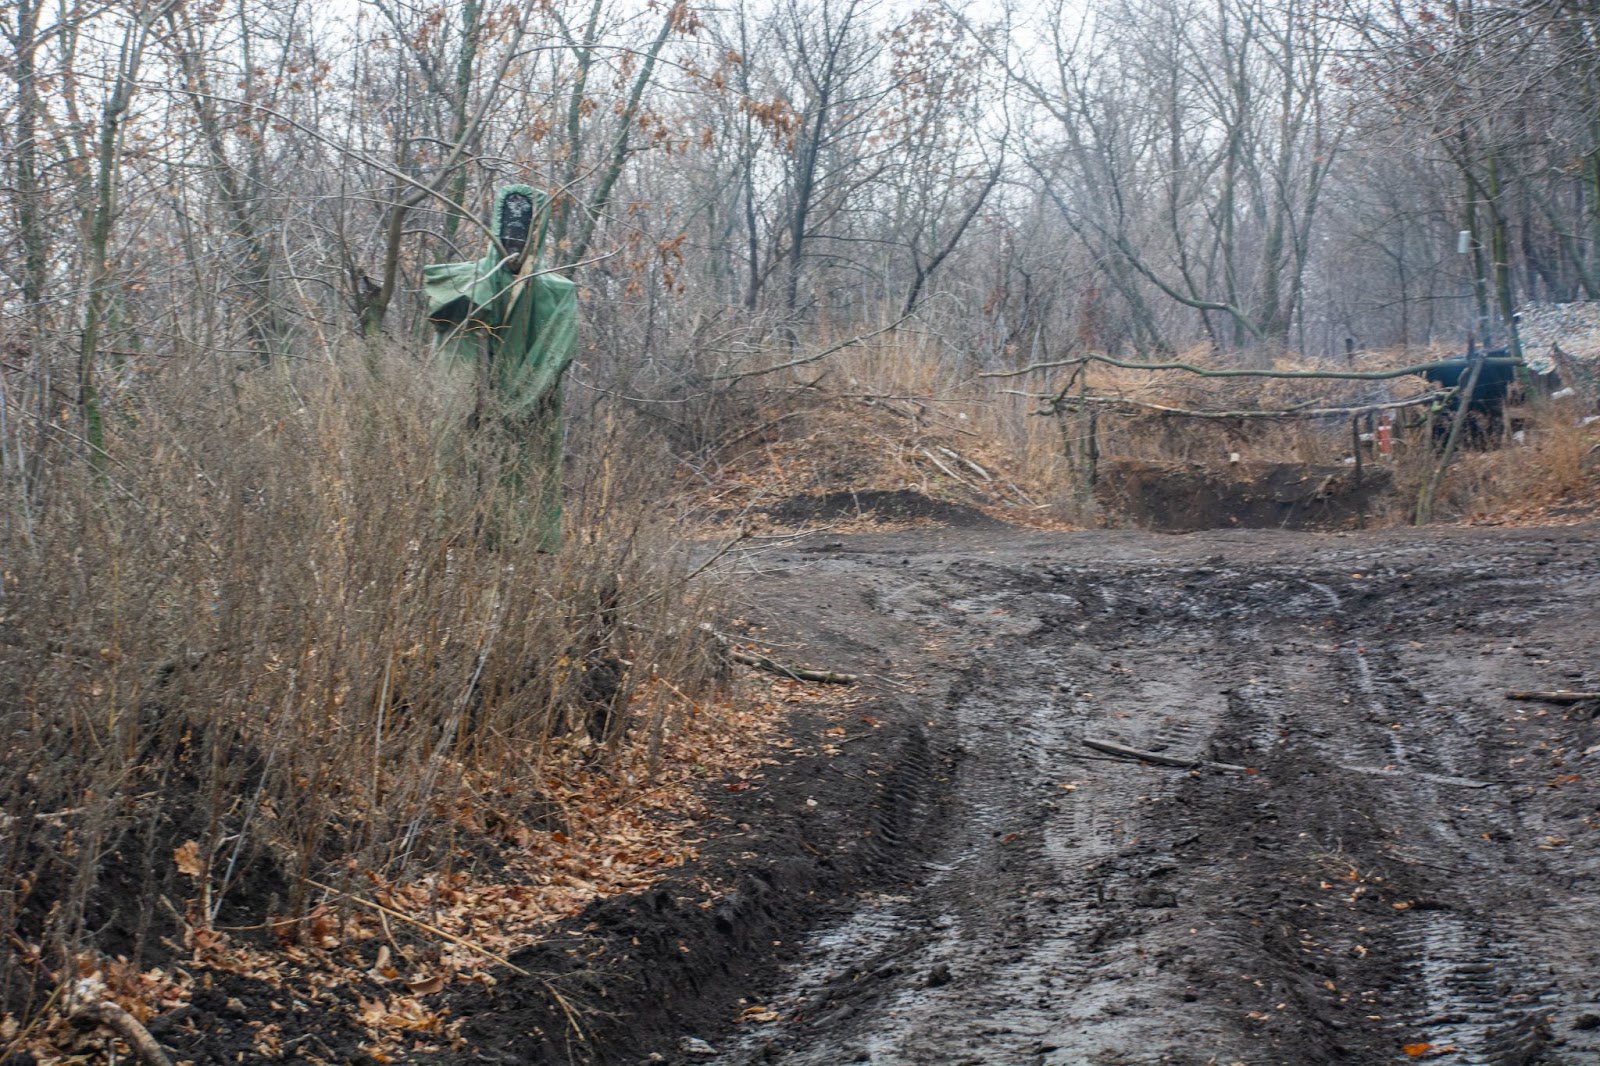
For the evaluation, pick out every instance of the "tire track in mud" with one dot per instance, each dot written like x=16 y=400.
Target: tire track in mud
x=1371 y=882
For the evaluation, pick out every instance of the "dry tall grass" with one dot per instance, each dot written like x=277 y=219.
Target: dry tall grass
x=295 y=620
x=1553 y=460
x=998 y=420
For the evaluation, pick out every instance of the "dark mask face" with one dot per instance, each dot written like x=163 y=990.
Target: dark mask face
x=516 y=224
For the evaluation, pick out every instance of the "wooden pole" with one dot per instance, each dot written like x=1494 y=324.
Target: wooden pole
x=1355 y=442
x=1430 y=491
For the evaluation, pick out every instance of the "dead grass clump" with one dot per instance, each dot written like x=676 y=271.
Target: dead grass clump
x=883 y=414
x=1554 y=463
x=286 y=632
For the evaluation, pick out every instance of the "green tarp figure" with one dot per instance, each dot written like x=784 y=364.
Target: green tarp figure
x=518 y=329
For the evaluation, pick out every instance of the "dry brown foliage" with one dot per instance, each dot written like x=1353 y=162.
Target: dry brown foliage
x=289 y=632
x=869 y=416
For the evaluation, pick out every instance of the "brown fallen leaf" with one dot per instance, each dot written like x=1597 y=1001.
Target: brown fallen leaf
x=187 y=858
x=426 y=986
x=1416 y=1051
x=758 y=1013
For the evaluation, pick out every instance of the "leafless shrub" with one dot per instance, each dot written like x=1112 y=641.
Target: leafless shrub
x=296 y=621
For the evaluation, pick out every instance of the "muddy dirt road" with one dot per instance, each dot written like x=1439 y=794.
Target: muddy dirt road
x=1377 y=858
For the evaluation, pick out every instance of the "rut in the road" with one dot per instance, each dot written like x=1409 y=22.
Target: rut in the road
x=1393 y=871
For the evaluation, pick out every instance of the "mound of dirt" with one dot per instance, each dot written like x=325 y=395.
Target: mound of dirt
x=643 y=975
x=1187 y=497
x=878 y=505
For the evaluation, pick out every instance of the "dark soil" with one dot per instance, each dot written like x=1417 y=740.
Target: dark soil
x=1378 y=850
x=896 y=505
x=1187 y=497
x=645 y=972
x=1394 y=855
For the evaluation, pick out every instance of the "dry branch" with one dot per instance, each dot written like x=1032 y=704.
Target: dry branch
x=944 y=468
x=1555 y=696
x=126 y=1026
x=1430 y=490
x=974 y=467
x=1057 y=403
x=761 y=662
x=1341 y=375
x=817 y=357
x=1122 y=751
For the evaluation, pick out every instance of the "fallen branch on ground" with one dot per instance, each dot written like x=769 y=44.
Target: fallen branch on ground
x=1558 y=696
x=476 y=949
x=1122 y=751
x=126 y=1026
x=974 y=467
x=945 y=469
x=761 y=662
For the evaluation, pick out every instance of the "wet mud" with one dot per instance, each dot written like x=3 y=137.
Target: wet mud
x=1375 y=857
x=1347 y=845
x=1367 y=853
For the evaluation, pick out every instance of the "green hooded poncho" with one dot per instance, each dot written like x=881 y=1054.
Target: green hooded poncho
x=523 y=326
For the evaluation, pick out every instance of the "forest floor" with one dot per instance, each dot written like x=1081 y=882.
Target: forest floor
x=1378 y=856
x=1373 y=854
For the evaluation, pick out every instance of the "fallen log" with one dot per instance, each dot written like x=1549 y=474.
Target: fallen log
x=110 y=1016
x=1556 y=696
x=1122 y=751
x=797 y=673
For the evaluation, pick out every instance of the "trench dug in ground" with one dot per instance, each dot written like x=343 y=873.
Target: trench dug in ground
x=1381 y=859
x=1187 y=497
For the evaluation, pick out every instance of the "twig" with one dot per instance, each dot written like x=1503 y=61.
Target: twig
x=761 y=662
x=725 y=445
x=108 y=1014
x=1557 y=696
x=882 y=403
x=1342 y=375
x=477 y=949
x=1122 y=751
x=33 y=1023
x=803 y=360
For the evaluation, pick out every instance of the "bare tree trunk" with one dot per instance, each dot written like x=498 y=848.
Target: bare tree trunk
x=97 y=253
x=35 y=241
x=618 y=157
x=240 y=202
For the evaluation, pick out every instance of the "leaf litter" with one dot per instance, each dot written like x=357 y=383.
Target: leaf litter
x=378 y=952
